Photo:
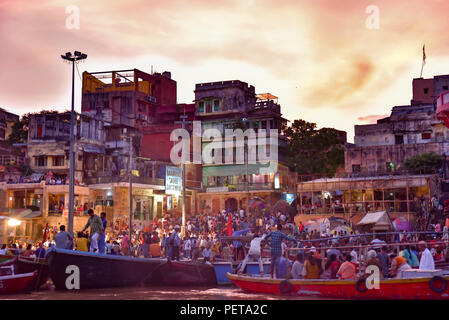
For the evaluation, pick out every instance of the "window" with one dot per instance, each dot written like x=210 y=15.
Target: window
x=264 y=124
x=425 y=135
x=390 y=166
x=201 y=106
x=216 y=105
x=230 y=105
x=58 y=161
x=399 y=139
x=355 y=168
x=208 y=106
x=40 y=161
x=445 y=88
x=426 y=90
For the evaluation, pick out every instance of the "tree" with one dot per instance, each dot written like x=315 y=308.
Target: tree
x=314 y=151
x=428 y=162
x=19 y=133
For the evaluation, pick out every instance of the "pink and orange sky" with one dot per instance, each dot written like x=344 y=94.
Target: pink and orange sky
x=317 y=56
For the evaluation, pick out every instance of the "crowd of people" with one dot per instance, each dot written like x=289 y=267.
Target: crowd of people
x=294 y=251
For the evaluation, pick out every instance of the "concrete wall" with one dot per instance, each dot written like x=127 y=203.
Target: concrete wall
x=419 y=95
x=374 y=158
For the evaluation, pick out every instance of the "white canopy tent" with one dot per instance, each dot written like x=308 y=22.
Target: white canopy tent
x=380 y=221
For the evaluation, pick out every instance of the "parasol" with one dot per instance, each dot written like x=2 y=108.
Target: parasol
x=343 y=228
x=257 y=202
x=401 y=224
x=283 y=207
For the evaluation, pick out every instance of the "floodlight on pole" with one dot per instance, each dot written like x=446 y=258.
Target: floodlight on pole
x=77 y=56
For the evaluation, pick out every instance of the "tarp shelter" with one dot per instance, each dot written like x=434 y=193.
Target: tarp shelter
x=378 y=221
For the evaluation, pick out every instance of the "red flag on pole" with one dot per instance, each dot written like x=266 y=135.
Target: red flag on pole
x=45 y=233
x=229 y=228
x=424 y=53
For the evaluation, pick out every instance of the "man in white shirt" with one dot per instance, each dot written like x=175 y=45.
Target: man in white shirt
x=283 y=247
x=354 y=256
x=254 y=253
x=187 y=248
x=297 y=268
x=426 y=262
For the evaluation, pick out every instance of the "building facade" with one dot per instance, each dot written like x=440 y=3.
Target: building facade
x=409 y=130
x=230 y=105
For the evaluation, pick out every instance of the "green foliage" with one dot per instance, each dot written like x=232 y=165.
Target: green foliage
x=19 y=132
x=428 y=162
x=312 y=151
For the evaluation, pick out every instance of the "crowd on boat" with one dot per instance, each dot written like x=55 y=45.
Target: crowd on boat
x=293 y=250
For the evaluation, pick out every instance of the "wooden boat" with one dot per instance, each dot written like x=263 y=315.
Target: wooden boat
x=15 y=283
x=221 y=268
x=4 y=258
x=99 y=270
x=179 y=273
x=8 y=262
x=415 y=288
x=27 y=264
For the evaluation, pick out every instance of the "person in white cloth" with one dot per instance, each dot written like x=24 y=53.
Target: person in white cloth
x=426 y=262
x=254 y=253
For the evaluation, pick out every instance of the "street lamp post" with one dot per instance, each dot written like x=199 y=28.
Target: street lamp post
x=77 y=56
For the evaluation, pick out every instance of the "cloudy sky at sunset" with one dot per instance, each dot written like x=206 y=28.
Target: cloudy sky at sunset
x=317 y=56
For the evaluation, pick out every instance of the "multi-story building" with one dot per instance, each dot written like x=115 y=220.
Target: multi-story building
x=144 y=107
x=377 y=179
x=42 y=197
x=7 y=120
x=231 y=105
x=409 y=130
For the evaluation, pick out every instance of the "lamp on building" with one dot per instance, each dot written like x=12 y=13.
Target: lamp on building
x=72 y=58
x=14 y=222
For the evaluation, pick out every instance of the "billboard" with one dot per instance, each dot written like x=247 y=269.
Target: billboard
x=173 y=180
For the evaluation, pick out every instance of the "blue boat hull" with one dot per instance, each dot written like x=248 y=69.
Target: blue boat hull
x=222 y=267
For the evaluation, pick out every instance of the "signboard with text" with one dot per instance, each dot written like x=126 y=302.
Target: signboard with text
x=173 y=180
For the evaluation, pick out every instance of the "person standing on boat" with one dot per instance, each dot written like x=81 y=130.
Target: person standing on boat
x=426 y=262
x=187 y=247
x=96 y=229
x=238 y=247
x=102 y=238
x=254 y=253
x=174 y=243
x=276 y=247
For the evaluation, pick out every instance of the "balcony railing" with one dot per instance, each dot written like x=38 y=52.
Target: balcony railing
x=242 y=187
x=117 y=179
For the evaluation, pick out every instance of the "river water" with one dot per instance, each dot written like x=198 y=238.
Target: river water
x=149 y=293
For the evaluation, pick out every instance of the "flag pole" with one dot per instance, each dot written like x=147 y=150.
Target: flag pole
x=423 y=59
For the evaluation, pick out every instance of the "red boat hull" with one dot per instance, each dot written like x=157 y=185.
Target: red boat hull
x=390 y=289
x=16 y=283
